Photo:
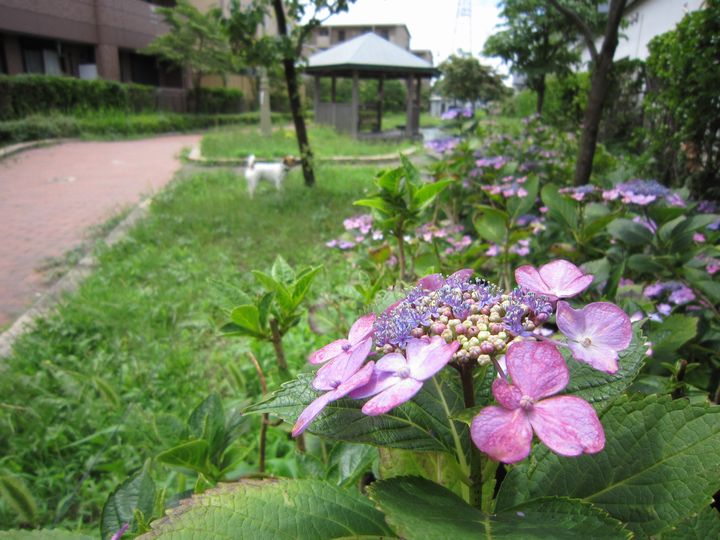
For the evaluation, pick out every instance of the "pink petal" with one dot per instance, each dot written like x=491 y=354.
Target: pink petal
x=392 y=397
x=506 y=394
x=502 y=434
x=610 y=325
x=340 y=368
x=425 y=358
x=311 y=412
x=391 y=363
x=564 y=279
x=432 y=282
x=362 y=328
x=537 y=368
x=358 y=380
x=329 y=351
x=568 y=425
x=378 y=382
x=571 y=322
x=529 y=278
x=601 y=358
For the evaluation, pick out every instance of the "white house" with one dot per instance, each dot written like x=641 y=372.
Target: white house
x=645 y=20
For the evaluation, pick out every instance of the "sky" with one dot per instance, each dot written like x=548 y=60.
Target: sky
x=433 y=24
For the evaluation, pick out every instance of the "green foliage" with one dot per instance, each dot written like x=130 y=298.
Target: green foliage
x=417 y=508
x=218 y=100
x=16 y=494
x=670 y=334
x=26 y=95
x=254 y=510
x=659 y=466
x=682 y=104
x=132 y=501
x=43 y=534
x=464 y=78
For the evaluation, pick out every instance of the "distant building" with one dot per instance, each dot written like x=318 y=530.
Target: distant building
x=84 y=38
x=646 y=19
x=328 y=35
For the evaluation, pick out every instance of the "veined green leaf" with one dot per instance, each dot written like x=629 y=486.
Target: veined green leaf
x=18 y=497
x=136 y=493
x=660 y=465
x=560 y=207
x=427 y=193
x=246 y=316
x=271 y=509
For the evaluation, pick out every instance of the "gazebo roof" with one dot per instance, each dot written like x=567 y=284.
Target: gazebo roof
x=371 y=56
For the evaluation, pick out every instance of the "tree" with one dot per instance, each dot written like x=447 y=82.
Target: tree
x=582 y=16
x=196 y=41
x=535 y=42
x=464 y=78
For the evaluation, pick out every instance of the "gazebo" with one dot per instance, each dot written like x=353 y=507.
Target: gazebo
x=367 y=57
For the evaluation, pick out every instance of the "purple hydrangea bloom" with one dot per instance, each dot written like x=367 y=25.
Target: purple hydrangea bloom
x=681 y=294
x=526 y=306
x=441 y=146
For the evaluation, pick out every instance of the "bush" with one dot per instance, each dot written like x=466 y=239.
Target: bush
x=682 y=102
x=217 y=100
x=23 y=95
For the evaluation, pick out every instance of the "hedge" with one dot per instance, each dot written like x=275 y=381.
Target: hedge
x=217 y=100
x=23 y=95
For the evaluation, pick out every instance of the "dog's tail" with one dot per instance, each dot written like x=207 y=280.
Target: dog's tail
x=251 y=161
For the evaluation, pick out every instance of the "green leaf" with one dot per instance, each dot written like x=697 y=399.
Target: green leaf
x=645 y=264
x=106 y=391
x=702 y=526
x=629 y=232
x=660 y=465
x=281 y=271
x=302 y=285
x=436 y=466
x=562 y=208
x=420 y=424
x=390 y=180
x=599 y=388
x=352 y=460
x=517 y=206
x=263 y=307
x=18 y=497
x=188 y=456
x=671 y=334
x=283 y=296
x=378 y=204
x=44 y=534
x=207 y=422
x=427 y=193
x=492 y=225
x=135 y=493
x=271 y=509
x=247 y=317
x=418 y=508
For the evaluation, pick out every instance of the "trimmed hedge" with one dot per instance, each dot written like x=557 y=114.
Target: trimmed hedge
x=24 y=95
x=117 y=124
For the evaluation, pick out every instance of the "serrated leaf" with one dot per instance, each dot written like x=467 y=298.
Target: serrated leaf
x=492 y=225
x=283 y=296
x=562 y=208
x=418 y=508
x=629 y=232
x=281 y=271
x=645 y=264
x=263 y=307
x=258 y=510
x=247 y=318
x=671 y=334
x=376 y=203
x=352 y=460
x=189 y=456
x=599 y=388
x=390 y=180
x=207 y=422
x=660 y=465
x=517 y=206
x=135 y=493
x=702 y=526
x=303 y=283
x=427 y=193
x=420 y=424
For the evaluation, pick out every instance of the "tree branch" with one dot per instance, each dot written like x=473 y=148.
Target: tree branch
x=581 y=26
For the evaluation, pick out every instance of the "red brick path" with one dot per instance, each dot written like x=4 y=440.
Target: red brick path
x=50 y=196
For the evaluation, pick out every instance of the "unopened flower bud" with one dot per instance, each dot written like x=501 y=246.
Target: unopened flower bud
x=447 y=335
x=443 y=319
x=483 y=335
x=460 y=329
x=452 y=323
x=417 y=332
x=487 y=348
x=541 y=317
x=474 y=352
x=495 y=317
x=437 y=328
x=472 y=331
x=484 y=360
x=496 y=328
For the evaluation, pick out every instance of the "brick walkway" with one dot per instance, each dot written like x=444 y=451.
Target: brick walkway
x=50 y=196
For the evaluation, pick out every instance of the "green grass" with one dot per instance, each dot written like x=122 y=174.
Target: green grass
x=87 y=396
x=392 y=120
x=325 y=142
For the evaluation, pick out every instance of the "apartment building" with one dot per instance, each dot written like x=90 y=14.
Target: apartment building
x=84 y=38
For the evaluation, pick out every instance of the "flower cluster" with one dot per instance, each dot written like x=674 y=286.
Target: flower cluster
x=454 y=113
x=469 y=322
x=642 y=193
x=443 y=146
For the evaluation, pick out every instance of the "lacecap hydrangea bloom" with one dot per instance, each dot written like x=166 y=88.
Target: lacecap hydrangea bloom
x=468 y=323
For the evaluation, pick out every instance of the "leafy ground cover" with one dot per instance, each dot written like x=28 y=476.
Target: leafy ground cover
x=239 y=143
x=115 y=124
x=102 y=385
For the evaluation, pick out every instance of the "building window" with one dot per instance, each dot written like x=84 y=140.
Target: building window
x=3 y=63
x=324 y=32
x=341 y=35
x=384 y=33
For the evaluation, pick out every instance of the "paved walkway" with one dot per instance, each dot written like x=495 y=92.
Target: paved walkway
x=50 y=196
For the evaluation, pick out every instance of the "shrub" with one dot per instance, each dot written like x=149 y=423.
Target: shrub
x=682 y=103
x=23 y=95
x=218 y=100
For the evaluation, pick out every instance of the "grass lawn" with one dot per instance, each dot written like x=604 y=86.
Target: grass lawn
x=100 y=386
x=391 y=120
x=325 y=141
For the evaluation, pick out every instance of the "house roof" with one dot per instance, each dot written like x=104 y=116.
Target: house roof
x=370 y=56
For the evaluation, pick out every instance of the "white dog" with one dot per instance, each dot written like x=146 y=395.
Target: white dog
x=272 y=172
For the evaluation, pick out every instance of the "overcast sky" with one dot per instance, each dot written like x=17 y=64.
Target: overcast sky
x=433 y=24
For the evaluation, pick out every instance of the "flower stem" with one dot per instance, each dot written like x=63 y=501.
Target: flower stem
x=401 y=253
x=265 y=417
x=476 y=465
x=279 y=351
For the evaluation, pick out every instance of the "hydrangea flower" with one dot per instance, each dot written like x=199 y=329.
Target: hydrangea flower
x=595 y=333
x=568 y=425
x=398 y=378
x=360 y=331
x=557 y=279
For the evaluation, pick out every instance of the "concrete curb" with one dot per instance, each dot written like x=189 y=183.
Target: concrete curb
x=68 y=283
x=8 y=151
x=195 y=156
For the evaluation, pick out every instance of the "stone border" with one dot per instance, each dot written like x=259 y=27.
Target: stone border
x=195 y=156
x=69 y=282
x=13 y=149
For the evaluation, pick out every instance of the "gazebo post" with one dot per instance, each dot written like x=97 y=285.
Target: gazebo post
x=416 y=112
x=355 y=107
x=381 y=100
x=316 y=97
x=333 y=95
x=408 y=107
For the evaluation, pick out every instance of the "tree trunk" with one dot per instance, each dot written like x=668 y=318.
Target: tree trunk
x=291 y=80
x=540 y=89
x=599 y=84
